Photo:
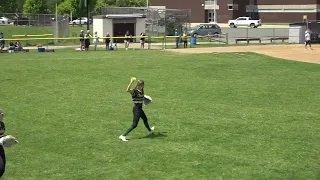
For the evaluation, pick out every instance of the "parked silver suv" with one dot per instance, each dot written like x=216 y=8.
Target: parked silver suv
x=205 y=29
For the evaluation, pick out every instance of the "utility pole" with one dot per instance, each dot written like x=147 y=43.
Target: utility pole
x=215 y=11
x=56 y=23
x=88 y=14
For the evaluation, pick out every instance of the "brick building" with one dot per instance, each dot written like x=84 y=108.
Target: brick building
x=266 y=10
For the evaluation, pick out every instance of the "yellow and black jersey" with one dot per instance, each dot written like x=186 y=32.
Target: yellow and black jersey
x=137 y=96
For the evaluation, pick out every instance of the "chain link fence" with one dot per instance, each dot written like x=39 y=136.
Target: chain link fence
x=60 y=27
x=20 y=19
x=165 y=21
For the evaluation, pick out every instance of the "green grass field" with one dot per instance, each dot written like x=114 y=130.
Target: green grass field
x=217 y=116
x=9 y=31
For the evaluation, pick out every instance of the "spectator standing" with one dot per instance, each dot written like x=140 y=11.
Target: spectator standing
x=81 y=40
x=107 y=41
x=185 y=39
x=2 y=43
x=127 y=38
x=178 y=37
x=87 y=40
x=95 y=40
x=142 y=40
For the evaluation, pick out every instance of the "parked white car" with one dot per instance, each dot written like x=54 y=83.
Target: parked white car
x=4 y=20
x=83 y=20
x=244 y=21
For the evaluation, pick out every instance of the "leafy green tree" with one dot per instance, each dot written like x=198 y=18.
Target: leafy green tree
x=52 y=5
x=20 y=4
x=35 y=7
x=11 y=6
x=130 y=3
x=77 y=7
x=118 y=3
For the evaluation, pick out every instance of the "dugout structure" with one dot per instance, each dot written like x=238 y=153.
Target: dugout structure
x=159 y=21
x=297 y=31
x=116 y=25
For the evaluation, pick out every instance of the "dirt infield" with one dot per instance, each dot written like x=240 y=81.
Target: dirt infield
x=289 y=52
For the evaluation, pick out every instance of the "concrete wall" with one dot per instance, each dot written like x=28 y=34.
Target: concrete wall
x=140 y=27
x=108 y=27
x=285 y=11
x=285 y=17
x=98 y=27
x=282 y=2
x=296 y=34
x=102 y=26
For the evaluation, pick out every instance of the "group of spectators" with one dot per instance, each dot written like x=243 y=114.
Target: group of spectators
x=86 y=37
x=182 y=38
x=12 y=46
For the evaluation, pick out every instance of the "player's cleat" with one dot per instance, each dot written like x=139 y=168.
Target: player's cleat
x=123 y=138
x=152 y=129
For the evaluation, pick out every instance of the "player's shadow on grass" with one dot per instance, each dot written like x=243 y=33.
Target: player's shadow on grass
x=159 y=135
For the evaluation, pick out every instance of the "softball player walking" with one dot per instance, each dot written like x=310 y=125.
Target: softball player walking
x=138 y=98
x=307 y=39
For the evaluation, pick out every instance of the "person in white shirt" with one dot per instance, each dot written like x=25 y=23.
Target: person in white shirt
x=95 y=40
x=307 y=39
x=87 y=40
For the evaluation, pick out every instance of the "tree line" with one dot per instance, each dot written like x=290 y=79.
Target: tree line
x=76 y=7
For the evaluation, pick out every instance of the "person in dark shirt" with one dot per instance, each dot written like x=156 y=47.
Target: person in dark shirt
x=2 y=43
x=107 y=41
x=11 y=47
x=137 y=95
x=87 y=40
x=178 y=37
x=142 y=40
x=127 y=38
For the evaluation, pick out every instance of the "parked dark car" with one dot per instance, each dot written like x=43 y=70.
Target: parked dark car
x=25 y=22
x=205 y=29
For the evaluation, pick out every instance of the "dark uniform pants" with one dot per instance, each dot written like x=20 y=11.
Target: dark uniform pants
x=2 y=161
x=137 y=114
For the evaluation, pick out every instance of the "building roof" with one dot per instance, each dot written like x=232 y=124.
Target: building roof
x=120 y=16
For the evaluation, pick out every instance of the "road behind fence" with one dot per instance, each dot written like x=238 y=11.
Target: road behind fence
x=21 y=19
